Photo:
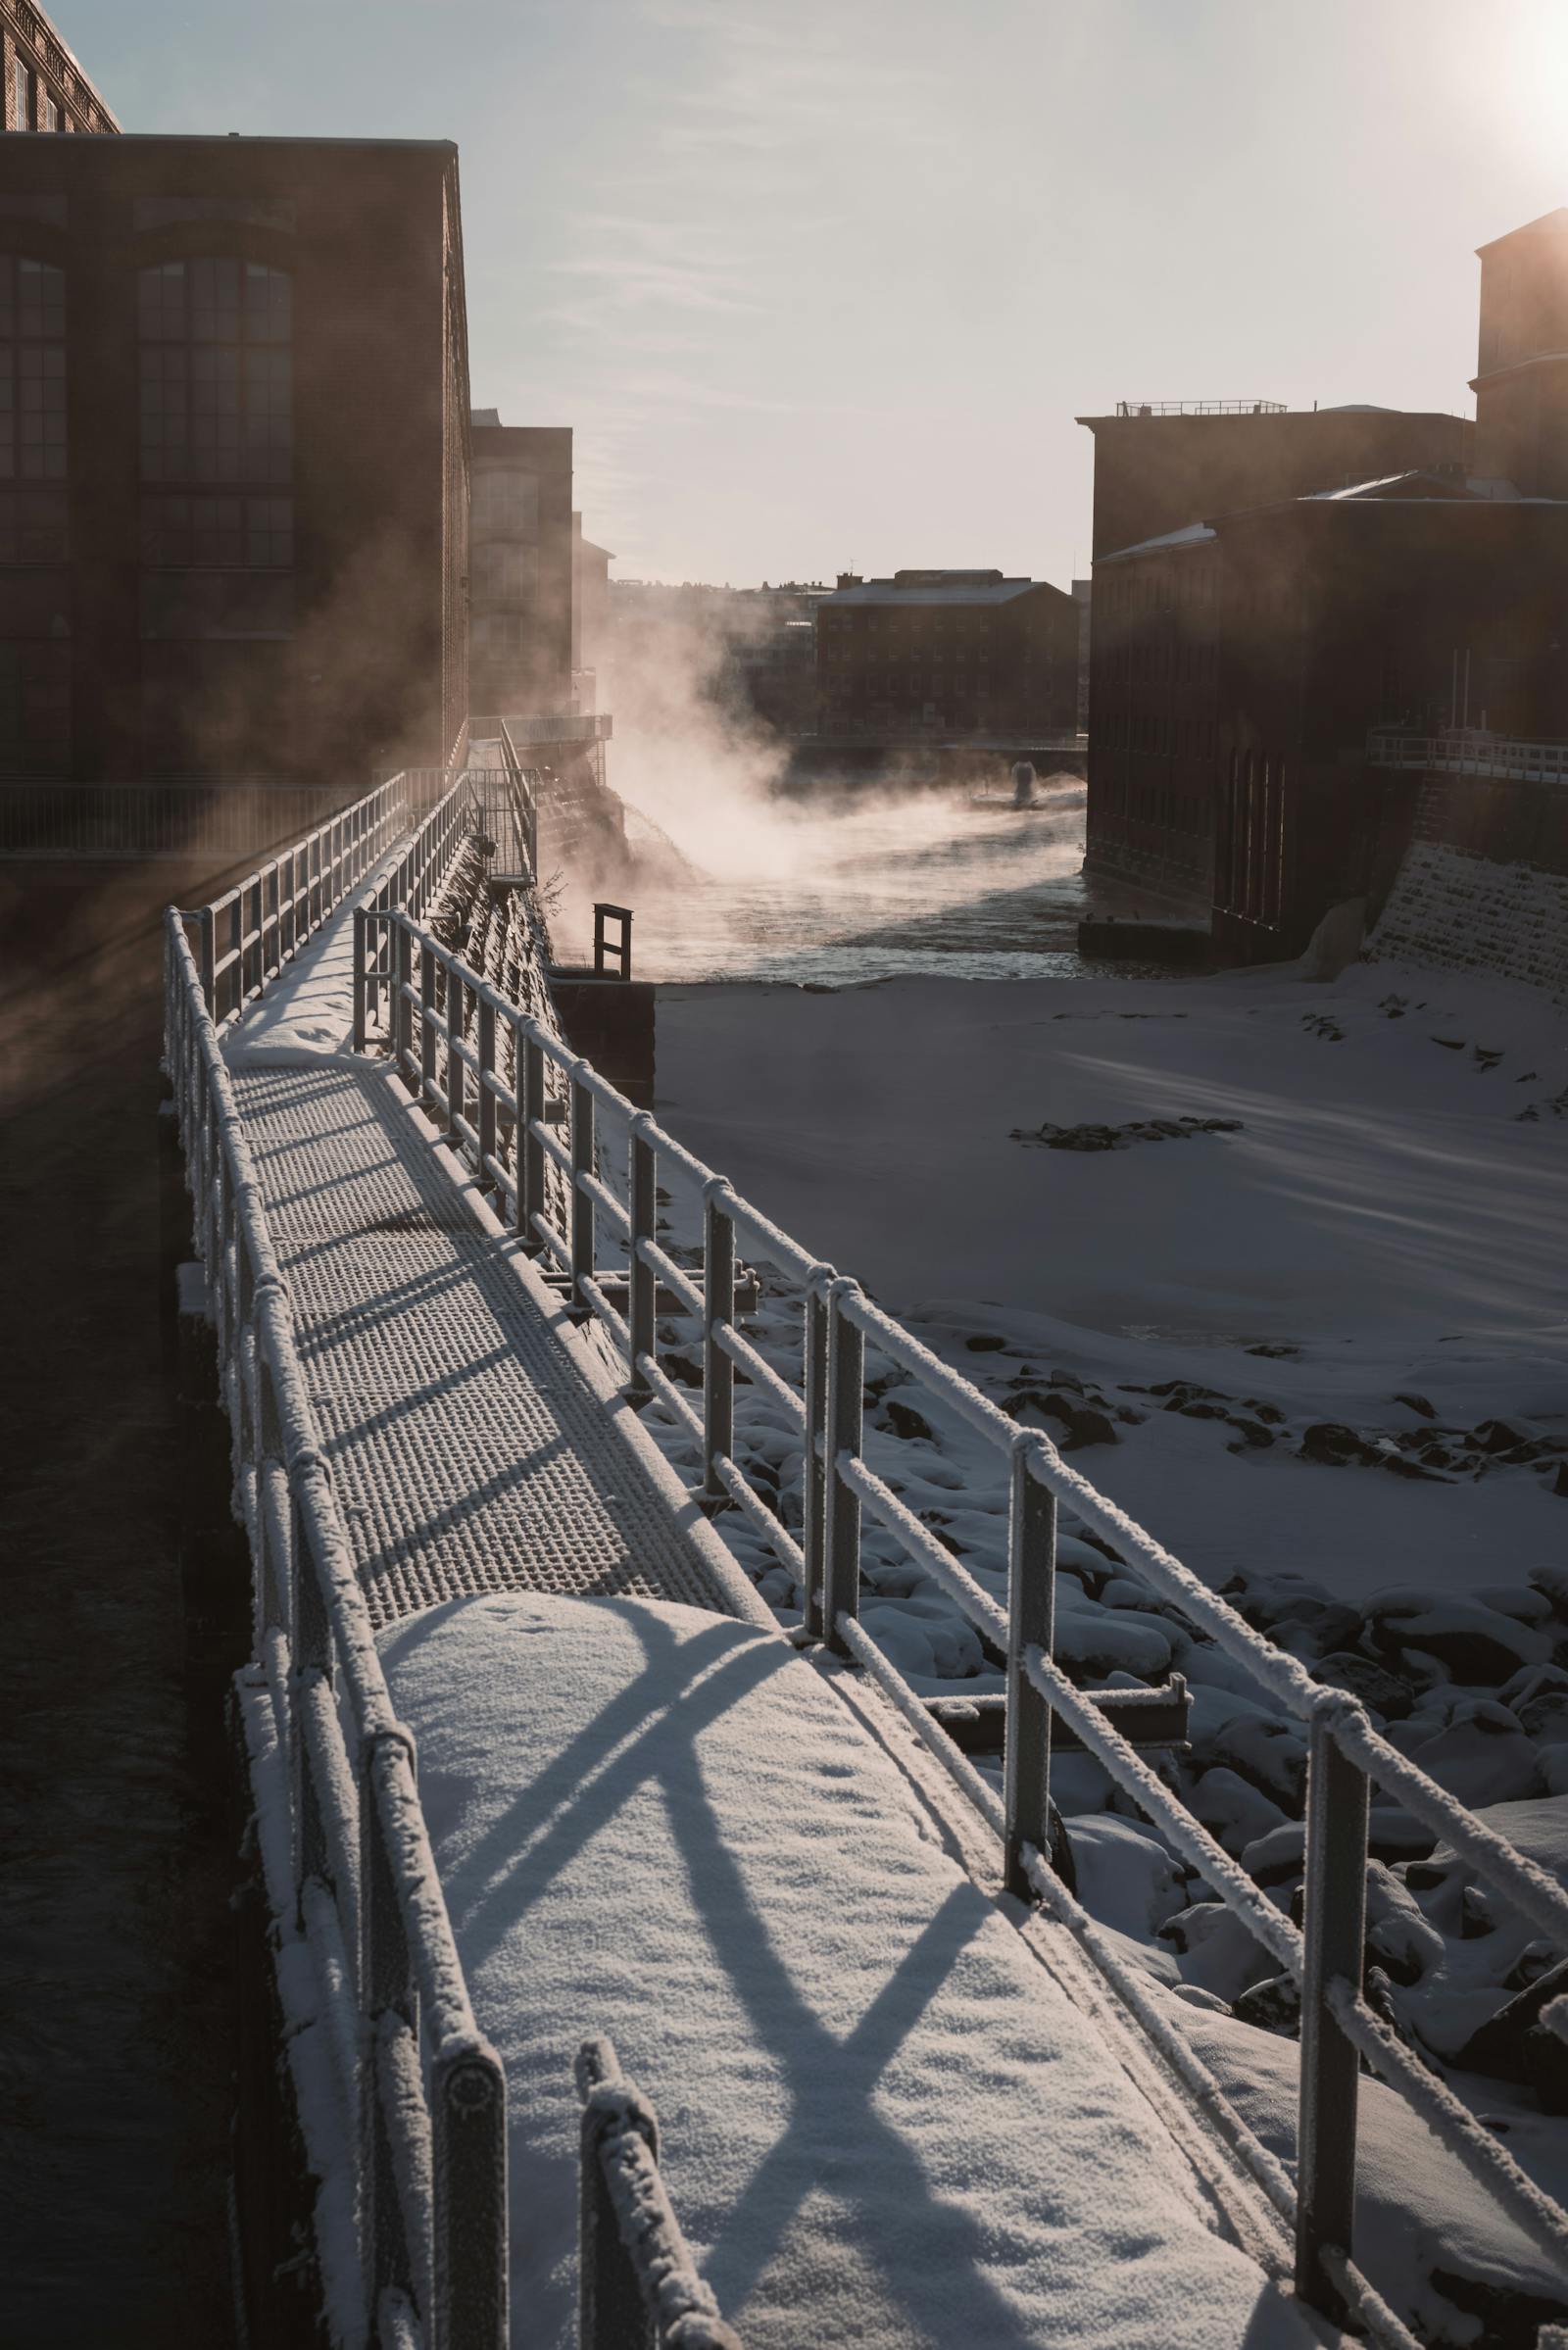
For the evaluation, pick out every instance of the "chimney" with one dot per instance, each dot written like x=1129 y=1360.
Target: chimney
x=849 y=579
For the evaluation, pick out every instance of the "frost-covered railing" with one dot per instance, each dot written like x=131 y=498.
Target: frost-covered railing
x=1469 y=754
x=595 y=1226
x=245 y=936
x=639 y=2288
x=414 y=2115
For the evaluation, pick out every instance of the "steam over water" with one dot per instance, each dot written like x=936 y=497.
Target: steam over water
x=924 y=884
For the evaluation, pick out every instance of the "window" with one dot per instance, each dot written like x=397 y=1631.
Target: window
x=508 y=503
x=34 y=708
x=499 y=634
x=505 y=573
x=33 y=526
x=218 y=533
x=25 y=81
x=48 y=109
x=217 y=374
x=32 y=370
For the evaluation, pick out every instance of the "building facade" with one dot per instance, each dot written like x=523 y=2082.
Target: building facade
x=1244 y=656
x=225 y=549
x=1162 y=465
x=592 y=642
x=44 y=87
x=521 y=582
x=1521 y=379
x=947 y=654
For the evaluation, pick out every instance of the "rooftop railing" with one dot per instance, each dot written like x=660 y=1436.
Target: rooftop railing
x=1201 y=408
x=1469 y=753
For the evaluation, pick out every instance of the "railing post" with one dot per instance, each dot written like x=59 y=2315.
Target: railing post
x=814 y=1531
x=457 y=1091
x=641 y=1281
x=846 y=1398
x=362 y=977
x=311 y=1639
x=428 y=971
x=403 y=1022
x=611 y=2315
x=1334 y=1925
x=531 y=1149
x=1031 y=1596
x=391 y=2011
x=469 y=2163
x=487 y=1102
x=582 y=1207
x=718 y=1312
x=209 y=948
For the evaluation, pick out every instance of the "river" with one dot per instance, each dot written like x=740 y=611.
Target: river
x=928 y=885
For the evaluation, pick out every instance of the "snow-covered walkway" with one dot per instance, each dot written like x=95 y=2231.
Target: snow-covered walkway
x=476 y=1443
x=884 y=2123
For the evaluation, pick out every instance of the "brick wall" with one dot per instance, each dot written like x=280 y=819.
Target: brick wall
x=1455 y=911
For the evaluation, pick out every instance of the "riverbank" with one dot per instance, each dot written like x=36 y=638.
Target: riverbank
x=1364 y=1218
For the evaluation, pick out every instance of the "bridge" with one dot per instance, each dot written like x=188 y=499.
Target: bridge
x=542 y=1787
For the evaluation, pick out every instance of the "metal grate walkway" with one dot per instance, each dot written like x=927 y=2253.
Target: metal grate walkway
x=468 y=1452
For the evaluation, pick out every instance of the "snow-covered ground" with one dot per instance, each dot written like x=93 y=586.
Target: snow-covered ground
x=1380 y=1221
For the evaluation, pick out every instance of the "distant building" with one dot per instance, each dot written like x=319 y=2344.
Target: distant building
x=1082 y=591
x=44 y=87
x=592 y=646
x=751 y=649
x=1251 y=664
x=234 y=535
x=521 y=584
x=1521 y=379
x=947 y=654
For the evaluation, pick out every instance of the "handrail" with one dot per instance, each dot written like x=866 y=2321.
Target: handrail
x=427 y=2143
x=249 y=932
x=1469 y=755
x=444 y=1035
x=639 y=2288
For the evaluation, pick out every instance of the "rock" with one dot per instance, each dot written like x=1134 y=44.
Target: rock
x=1497 y=1436
x=1376 y=1687
x=1515 y=2045
x=1255 y=1437
x=1418 y=1405
x=1480 y=1646
x=1334 y=1445
x=1199 y=1412
x=1087 y=1427
x=1272 y=2005
x=1068 y=1379
x=906 y=1421
x=985 y=1341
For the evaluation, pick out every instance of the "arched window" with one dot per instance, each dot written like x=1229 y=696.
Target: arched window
x=216 y=412
x=32 y=370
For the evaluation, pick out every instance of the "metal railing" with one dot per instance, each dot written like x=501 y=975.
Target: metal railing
x=417 y=2111
x=139 y=820
x=568 y=727
x=638 y=2288
x=446 y=1029
x=1201 y=408
x=1469 y=754
x=245 y=936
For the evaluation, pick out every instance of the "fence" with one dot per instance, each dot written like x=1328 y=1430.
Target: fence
x=1201 y=408
x=417 y=2113
x=142 y=820
x=1470 y=754
x=444 y=1030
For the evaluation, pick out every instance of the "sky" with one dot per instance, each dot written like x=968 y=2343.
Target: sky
x=822 y=284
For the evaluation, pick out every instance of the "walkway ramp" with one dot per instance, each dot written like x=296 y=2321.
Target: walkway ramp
x=472 y=1448
x=884 y=2123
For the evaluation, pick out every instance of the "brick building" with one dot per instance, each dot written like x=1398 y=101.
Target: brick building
x=947 y=653
x=520 y=583
x=233 y=519
x=1244 y=658
x=592 y=633
x=45 y=88
x=1161 y=464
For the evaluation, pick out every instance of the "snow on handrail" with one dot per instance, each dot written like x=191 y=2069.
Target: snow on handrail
x=639 y=2283
x=403 y=1992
